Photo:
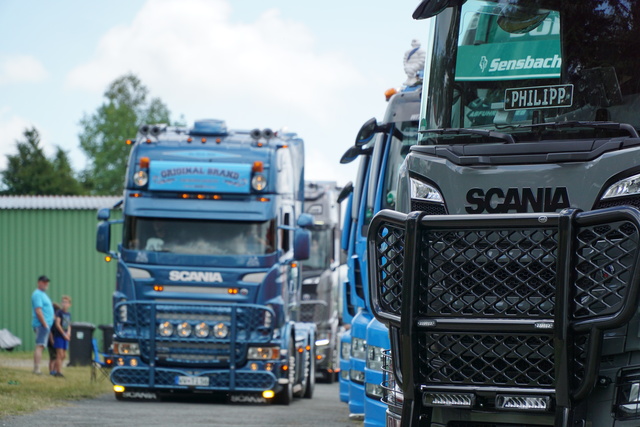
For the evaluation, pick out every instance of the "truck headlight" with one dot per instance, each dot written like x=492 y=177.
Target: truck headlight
x=141 y=178
x=126 y=348
x=424 y=191
x=324 y=338
x=165 y=329
x=345 y=350
x=625 y=187
x=374 y=358
x=263 y=353
x=221 y=330
x=183 y=329
x=358 y=348
x=201 y=330
x=258 y=182
x=373 y=391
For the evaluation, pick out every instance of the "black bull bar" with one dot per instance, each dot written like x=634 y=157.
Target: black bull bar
x=502 y=304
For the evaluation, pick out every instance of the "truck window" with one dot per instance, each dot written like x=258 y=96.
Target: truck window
x=199 y=237
x=404 y=136
x=512 y=74
x=320 y=256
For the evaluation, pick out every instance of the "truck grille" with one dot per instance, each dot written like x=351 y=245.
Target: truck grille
x=492 y=300
x=486 y=359
x=246 y=324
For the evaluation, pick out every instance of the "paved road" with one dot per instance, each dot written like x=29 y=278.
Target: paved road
x=325 y=409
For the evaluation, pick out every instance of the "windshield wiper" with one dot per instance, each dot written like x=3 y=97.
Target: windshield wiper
x=596 y=125
x=483 y=132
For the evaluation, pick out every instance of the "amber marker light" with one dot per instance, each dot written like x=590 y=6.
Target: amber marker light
x=389 y=93
x=144 y=162
x=294 y=264
x=189 y=139
x=285 y=367
x=158 y=288
x=118 y=388
x=135 y=195
x=148 y=140
x=201 y=196
x=216 y=197
x=203 y=140
x=232 y=291
x=129 y=142
x=258 y=166
x=185 y=196
x=263 y=199
x=218 y=141
x=259 y=144
x=107 y=258
x=308 y=348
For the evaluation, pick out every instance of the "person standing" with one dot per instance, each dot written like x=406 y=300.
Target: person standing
x=42 y=320
x=62 y=333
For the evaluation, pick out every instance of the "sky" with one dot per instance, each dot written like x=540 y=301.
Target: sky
x=319 y=68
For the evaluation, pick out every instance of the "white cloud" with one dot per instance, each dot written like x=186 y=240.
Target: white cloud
x=191 y=52
x=21 y=69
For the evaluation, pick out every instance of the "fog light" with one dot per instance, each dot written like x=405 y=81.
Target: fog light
x=268 y=394
x=373 y=391
x=458 y=400
x=120 y=361
x=268 y=366
x=627 y=406
x=133 y=362
x=523 y=403
x=254 y=366
x=118 y=388
x=184 y=329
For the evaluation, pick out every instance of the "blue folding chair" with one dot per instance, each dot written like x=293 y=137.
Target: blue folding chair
x=101 y=362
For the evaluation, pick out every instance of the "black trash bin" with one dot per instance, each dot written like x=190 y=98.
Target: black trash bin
x=80 y=346
x=107 y=338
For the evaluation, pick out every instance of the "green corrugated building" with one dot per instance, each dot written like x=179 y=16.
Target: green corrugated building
x=55 y=236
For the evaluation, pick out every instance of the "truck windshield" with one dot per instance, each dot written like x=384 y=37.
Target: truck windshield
x=525 y=63
x=199 y=237
x=321 y=252
x=398 y=150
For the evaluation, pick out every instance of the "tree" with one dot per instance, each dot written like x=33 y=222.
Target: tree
x=105 y=132
x=30 y=172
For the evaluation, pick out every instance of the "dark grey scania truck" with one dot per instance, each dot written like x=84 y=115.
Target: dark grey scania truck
x=509 y=274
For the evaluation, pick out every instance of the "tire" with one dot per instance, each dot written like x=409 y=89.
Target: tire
x=285 y=396
x=311 y=375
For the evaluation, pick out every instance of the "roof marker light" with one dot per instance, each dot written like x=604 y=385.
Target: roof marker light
x=218 y=140
x=189 y=139
x=148 y=141
x=129 y=142
x=203 y=140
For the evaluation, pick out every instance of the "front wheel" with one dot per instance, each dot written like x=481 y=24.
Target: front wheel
x=285 y=396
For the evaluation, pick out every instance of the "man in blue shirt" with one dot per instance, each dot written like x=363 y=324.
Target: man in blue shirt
x=42 y=319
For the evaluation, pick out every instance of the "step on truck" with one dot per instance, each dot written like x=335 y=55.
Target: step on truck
x=209 y=282
x=320 y=275
x=509 y=276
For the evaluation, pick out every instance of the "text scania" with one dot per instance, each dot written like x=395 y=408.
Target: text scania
x=521 y=200
x=194 y=276
x=527 y=63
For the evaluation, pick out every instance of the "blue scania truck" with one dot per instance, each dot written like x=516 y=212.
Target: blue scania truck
x=381 y=147
x=208 y=286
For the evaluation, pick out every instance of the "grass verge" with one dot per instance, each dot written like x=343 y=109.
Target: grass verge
x=22 y=392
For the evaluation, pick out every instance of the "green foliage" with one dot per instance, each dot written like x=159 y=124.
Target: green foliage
x=30 y=172
x=104 y=133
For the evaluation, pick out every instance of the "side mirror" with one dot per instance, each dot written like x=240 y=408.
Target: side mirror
x=353 y=152
x=366 y=132
x=344 y=193
x=429 y=8
x=305 y=220
x=301 y=244
x=103 y=238
x=104 y=214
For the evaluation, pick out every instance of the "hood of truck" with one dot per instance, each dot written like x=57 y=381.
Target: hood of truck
x=519 y=179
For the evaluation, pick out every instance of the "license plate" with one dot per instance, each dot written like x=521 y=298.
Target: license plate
x=195 y=381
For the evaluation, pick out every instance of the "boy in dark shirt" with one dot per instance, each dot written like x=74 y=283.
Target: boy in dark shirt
x=50 y=348
x=62 y=333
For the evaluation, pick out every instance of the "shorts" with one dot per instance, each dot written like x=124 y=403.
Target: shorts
x=42 y=335
x=59 y=342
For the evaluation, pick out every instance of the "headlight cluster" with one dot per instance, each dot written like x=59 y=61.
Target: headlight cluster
x=126 y=348
x=258 y=182
x=374 y=358
x=198 y=330
x=358 y=348
x=345 y=350
x=263 y=353
x=626 y=187
x=141 y=178
x=421 y=190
